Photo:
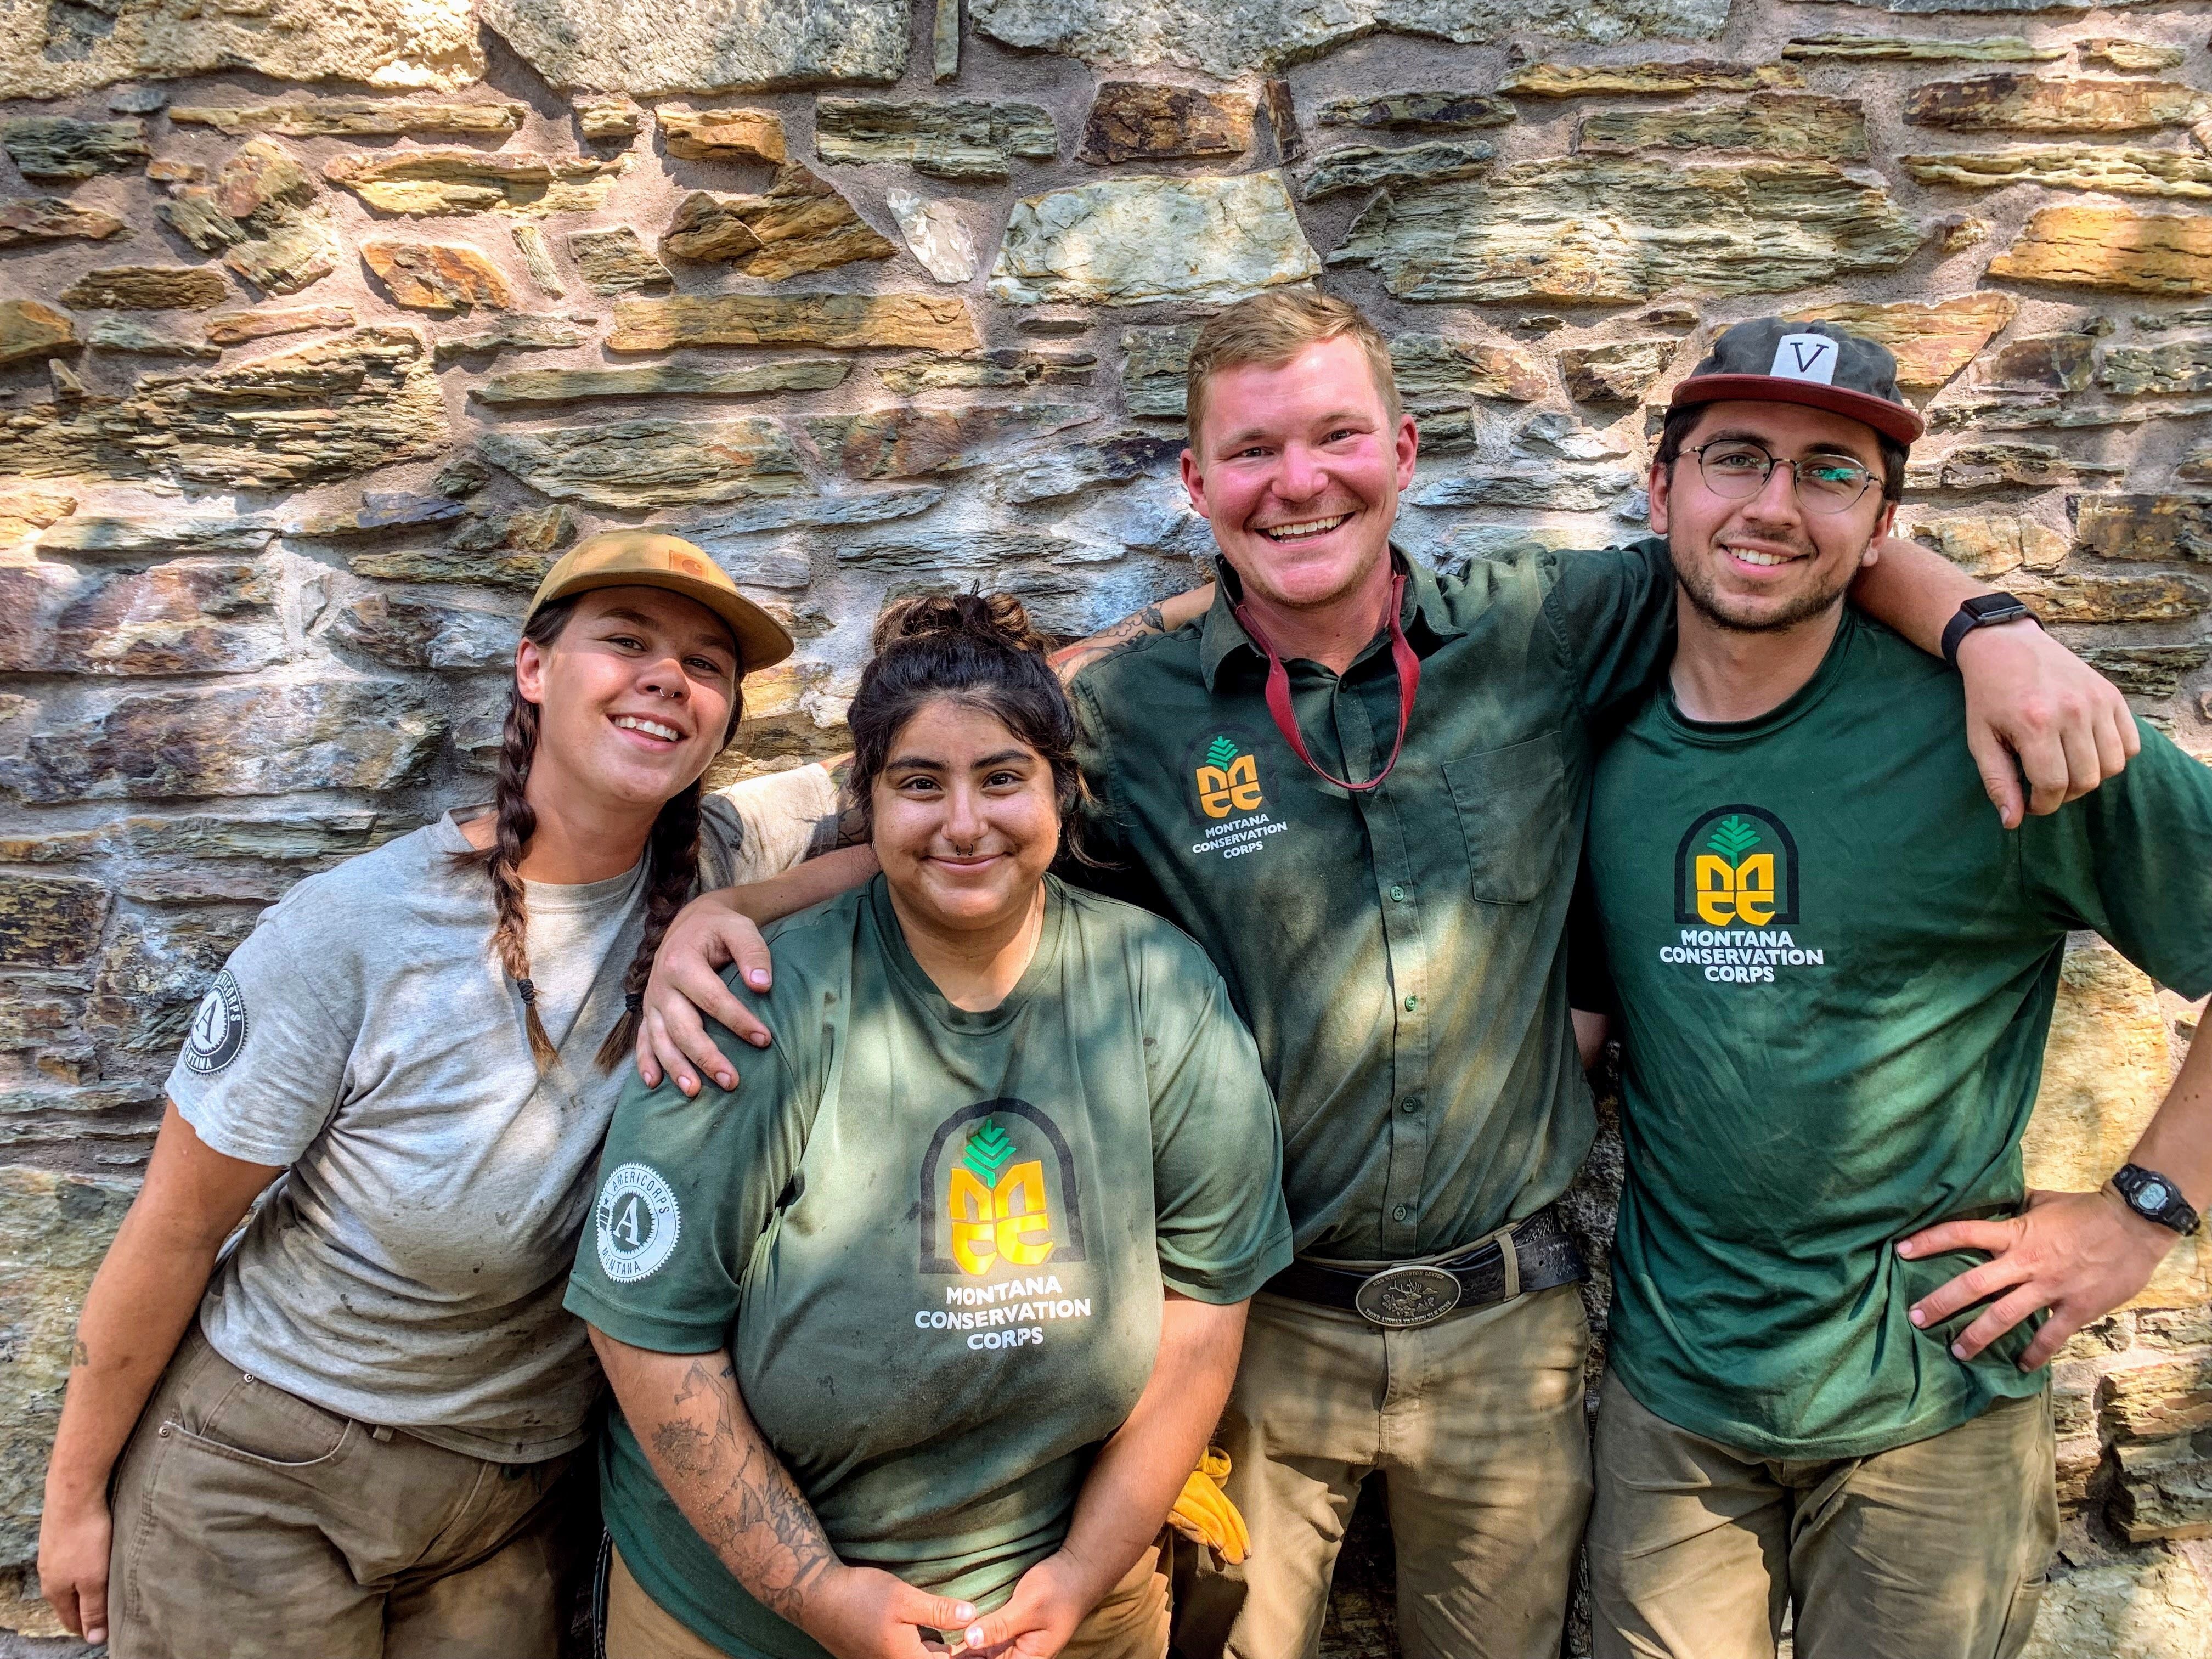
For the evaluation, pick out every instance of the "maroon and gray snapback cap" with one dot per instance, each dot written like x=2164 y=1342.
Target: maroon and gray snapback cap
x=1817 y=364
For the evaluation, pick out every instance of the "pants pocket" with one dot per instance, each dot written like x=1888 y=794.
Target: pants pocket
x=2020 y=1617
x=258 y=1423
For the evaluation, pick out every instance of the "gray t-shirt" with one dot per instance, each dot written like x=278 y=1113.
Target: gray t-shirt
x=409 y=1267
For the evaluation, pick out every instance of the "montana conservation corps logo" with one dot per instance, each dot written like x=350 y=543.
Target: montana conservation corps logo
x=1002 y=1218
x=637 y=1222
x=1227 y=779
x=1736 y=867
x=1227 y=793
x=1736 y=884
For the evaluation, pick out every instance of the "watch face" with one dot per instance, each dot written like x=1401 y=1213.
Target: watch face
x=2153 y=1196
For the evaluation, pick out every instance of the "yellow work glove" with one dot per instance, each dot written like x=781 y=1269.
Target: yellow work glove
x=1204 y=1514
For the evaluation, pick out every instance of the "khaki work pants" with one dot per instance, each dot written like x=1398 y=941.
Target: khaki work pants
x=1131 y=1623
x=250 y=1524
x=1476 y=1425
x=1931 y=1550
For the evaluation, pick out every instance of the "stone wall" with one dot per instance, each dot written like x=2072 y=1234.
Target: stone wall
x=325 y=323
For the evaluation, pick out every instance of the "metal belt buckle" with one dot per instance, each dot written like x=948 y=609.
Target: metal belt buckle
x=1400 y=1298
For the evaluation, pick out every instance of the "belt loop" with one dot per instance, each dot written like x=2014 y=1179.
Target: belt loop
x=1509 y=1254
x=380 y=1432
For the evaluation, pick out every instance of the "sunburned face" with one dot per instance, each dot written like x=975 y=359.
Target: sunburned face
x=634 y=696
x=967 y=818
x=1298 y=470
x=1766 y=561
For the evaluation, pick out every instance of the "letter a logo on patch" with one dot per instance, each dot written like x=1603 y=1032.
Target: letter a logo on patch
x=638 y=1224
x=1805 y=357
x=218 y=1029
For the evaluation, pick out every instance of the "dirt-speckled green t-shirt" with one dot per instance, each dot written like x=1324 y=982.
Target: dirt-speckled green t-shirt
x=933 y=1241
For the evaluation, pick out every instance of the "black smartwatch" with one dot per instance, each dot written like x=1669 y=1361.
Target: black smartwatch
x=2154 y=1198
x=1982 y=610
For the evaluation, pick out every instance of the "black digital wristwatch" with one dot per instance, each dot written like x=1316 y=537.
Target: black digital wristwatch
x=1982 y=610
x=2154 y=1198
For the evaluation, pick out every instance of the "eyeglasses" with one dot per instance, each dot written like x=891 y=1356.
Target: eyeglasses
x=1738 y=468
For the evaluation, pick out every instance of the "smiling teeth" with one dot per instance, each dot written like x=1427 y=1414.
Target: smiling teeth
x=1312 y=527
x=651 y=728
x=1757 y=558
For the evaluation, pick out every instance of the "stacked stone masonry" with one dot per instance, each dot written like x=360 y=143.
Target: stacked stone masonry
x=324 y=324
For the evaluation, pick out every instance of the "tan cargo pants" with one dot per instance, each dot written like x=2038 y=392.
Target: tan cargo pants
x=252 y=1525
x=1131 y=1623
x=1475 y=1424
x=1931 y=1550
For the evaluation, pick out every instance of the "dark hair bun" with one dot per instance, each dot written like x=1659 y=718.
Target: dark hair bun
x=995 y=618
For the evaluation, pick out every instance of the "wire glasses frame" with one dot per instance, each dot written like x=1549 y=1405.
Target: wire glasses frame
x=1739 y=468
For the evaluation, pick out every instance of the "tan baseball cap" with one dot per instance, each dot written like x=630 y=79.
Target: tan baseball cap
x=653 y=558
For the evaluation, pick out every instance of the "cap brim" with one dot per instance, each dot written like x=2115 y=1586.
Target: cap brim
x=762 y=641
x=1890 y=420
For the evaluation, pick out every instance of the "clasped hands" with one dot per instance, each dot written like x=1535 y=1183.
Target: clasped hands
x=861 y=1613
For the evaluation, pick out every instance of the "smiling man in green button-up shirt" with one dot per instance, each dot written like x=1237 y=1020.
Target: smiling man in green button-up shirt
x=1391 y=932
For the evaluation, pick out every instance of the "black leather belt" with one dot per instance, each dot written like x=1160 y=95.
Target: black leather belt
x=1410 y=1293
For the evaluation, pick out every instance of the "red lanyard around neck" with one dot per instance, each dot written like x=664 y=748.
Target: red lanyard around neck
x=1287 y=719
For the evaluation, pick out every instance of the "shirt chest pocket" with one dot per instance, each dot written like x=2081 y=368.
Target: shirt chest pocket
x=1513 y=815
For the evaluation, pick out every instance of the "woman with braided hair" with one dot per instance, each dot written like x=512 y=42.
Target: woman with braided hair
x=918 y=1333
x=349 y=1428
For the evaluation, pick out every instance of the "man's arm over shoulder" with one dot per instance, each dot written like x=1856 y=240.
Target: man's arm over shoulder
x=2032 y=706
x=1164 y=616
x=1610 y=615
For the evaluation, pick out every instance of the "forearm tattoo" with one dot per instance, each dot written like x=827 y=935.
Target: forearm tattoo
x=737 y=1494
x=1070 y=659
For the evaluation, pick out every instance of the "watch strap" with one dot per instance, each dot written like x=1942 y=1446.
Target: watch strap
x=2155 y=1197
x=1981 y=612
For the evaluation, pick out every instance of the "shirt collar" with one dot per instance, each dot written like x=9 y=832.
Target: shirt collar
x=1427 y=620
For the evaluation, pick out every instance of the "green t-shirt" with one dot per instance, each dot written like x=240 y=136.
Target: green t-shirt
x=933 y=1242
x=1836 y=972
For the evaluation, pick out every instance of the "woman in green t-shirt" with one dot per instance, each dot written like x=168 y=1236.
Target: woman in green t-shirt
x=932 y=1315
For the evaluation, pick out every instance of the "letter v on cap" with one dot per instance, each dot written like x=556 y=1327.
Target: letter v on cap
x=1805 y=357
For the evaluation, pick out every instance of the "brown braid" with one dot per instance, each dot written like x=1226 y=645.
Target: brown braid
x=514 y=824
x=672 y=852
x=672 y=859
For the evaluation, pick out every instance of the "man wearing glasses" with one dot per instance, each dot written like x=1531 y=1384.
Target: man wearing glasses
x=1833 y=1297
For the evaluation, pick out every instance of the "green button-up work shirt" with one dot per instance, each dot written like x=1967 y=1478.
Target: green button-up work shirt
x=1398 y=953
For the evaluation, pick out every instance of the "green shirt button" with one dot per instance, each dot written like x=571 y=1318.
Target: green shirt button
x=1410 y=1103
x=1397 y=895
x=1398 y=1214
x=1412 y=1003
